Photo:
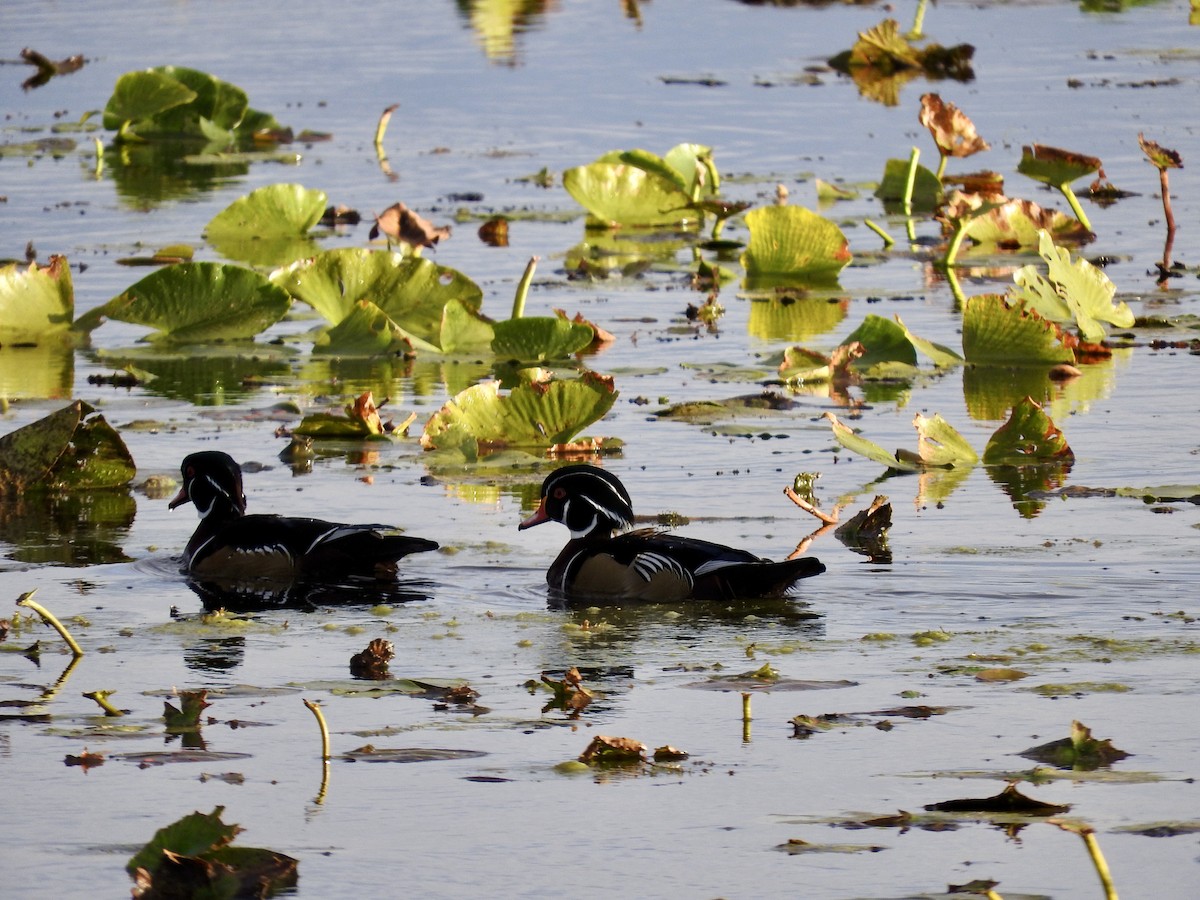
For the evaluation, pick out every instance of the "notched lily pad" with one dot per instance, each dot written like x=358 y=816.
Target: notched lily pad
x=995 y=333
x=1028 y=436
x=197 y=302
x=193 y=857
x=638 y=188
x=535 y=414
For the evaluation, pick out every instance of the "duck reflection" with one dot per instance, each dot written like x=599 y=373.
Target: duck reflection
x=263 y=594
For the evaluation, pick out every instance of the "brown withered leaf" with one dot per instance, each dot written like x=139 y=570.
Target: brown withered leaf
x=399 y=223
x=1000 y=674
x=494 y=232
x=986 y=182
x=569 y=694
x=1009 y=800
x=951 y=128
x=667 y=753
x=372 y=662
x=614 y=751
x=48 y=68
x=340 y=215
x=364 y=410
x=187 y=716
x=1080 y=751
x=1160 y=157
x=600 y=336
x=84 y=760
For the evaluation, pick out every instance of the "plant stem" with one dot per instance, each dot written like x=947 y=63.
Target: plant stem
x=99 y=170
x=911 y=180
x=518 y=308
x=1166 y=198
x=1075 y=207
x=887 y=238
x=918 y=22
x=47 y=617
x=315 y=708
x=1089 y=840
x=941 y=170
x=960 y=232
x=955 y=288
x=101 y=697
x=381 y=128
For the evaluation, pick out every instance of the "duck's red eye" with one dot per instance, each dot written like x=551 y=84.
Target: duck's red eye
x=559 y=493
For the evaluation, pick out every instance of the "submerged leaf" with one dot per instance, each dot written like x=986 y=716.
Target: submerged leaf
x=939 y=446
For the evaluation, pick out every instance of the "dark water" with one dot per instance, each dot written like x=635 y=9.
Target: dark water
x=1085 y=591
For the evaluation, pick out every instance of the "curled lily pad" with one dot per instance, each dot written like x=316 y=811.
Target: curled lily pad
x=72 y=449
x=35 y=301
x=1058 y=168
x=939 y=445
x=926 y=189
x=411 y=291
x=1071 y=292
x=198 y=302
x=790 y=243
x=533 y=415
x=995 y=222
x=139 y=96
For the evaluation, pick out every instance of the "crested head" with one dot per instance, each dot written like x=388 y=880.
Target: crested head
x=212 y=481
x=585 y=498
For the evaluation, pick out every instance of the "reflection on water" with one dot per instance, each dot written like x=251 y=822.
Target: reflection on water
x=44 y=372
x=256 y=595
x=147 y=175
x=793 y=318
x=212 y=375
x=498 y=23
x=77 y=529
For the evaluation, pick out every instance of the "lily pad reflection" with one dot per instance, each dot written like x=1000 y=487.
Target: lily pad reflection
x=204 y=376
x=82 y=528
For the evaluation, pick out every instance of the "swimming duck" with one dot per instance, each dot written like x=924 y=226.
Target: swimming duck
x=649 y=563
x=228 y=544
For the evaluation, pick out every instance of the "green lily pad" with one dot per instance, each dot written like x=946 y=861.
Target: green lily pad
x=883 y=341
x=939 y=446
x=143 y=95
x=72 y=449
x=531 y=415
x=410 y=290
x=1055 y=166
x=1071 y=292
x=539 y=338
x=1004 y=224
x=35 y=301
x=1028 y=436
x=464 y=329
x=927 y=187
x=618 y=194
x=197 y=302
x=268 y=225
x=793 y=243
x=997 y=334
x=366 y=331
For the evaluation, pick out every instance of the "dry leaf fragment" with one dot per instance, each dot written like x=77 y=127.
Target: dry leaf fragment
x=613 y=751
x=372 y=662
x=401 y=224
x=951 y=128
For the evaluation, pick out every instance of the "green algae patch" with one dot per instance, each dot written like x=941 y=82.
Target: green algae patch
x=1079 y=688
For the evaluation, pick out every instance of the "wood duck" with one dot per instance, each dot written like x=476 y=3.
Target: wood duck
x=228 y=544
x=646 y=564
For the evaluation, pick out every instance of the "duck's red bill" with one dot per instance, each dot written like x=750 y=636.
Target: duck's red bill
x=537 y=518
